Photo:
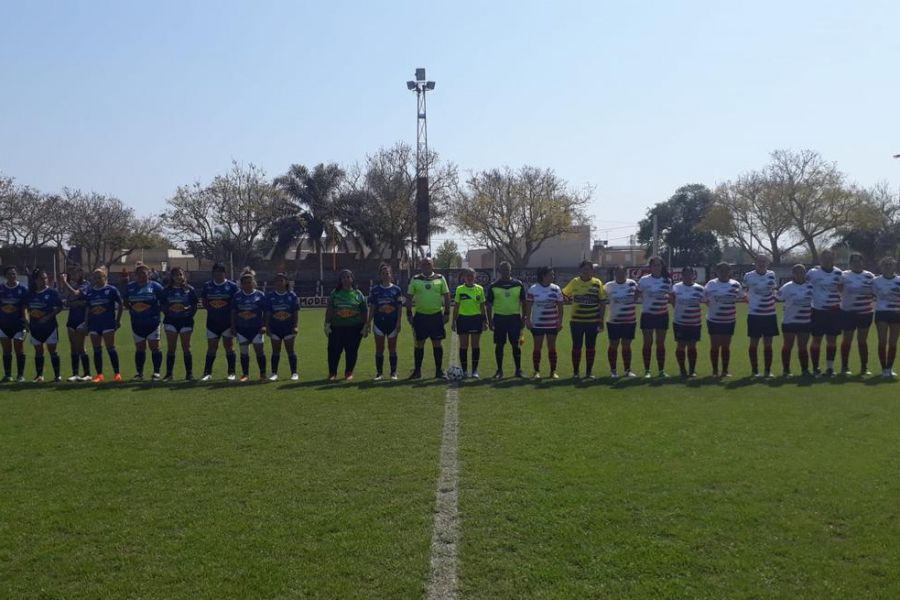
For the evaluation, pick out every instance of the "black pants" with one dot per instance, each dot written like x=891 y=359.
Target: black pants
x=584 y=334
x=344 y=339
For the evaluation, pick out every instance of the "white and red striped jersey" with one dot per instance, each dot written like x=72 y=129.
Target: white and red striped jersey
x=826 y=288
x=887 y=293
x=797 y=298
x=856 y=291
x=654 y=294
x=545 y=312
x=722 y=298
x=688 y=300
x=761 y=290
x=622 y=298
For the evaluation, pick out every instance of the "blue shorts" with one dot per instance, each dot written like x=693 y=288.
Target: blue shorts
x=385 y=327
x=216 y=329
x=621 y=331
x=656 y=322
x=686 y=334
x=42 y=334
x=280 y=333
x=144 y=330
x=715 y=328
x=101 y=327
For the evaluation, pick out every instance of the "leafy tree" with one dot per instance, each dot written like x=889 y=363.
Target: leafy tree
x=515 y=212
x=679 y=217
x=32 y=220
x=447 y=256
x=874 y=230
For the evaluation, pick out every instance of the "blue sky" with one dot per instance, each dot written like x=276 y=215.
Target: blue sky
x=134 y=99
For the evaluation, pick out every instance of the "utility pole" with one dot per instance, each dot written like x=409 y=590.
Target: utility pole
x=423 y=213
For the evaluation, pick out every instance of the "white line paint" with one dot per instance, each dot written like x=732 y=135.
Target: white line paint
x=443 y=584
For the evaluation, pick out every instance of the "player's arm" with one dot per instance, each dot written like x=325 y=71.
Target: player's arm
x=604 y=300
x=446 y=303
x=363 y=310
x=401 y=300
x=120 y=307
x=455 y=311
x=560 y=310
x=64 y=280
x=526 y=317
x=410 y=294
x=329 y=314
x=483 y=307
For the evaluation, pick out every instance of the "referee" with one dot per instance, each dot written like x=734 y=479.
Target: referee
x=429 y=292
x=505 y=303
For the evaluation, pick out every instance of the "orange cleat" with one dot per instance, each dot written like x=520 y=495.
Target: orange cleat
x=98 y=378
x=118 y=378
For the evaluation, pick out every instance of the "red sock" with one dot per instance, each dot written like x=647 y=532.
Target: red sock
x=576 y=359
x=661 y=357
x=611 y=356
x=648 y=352
x=626 y=358
x=552 y=355
x=692 y=359
x=679 y=356
x=536 y=360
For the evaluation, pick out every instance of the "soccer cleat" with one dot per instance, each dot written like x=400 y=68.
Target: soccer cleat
x=576 y=375
x=138 y=377
x=715 y=374
x=662 y=375
x=520 y=374
x=613 y=374
x=87 y=378
x=348 y=377
x=536 y=375
x=332 y=378
x=273 y=377
x=99 y=378
x=156 y=377
x=630 y=374
x=231 y=377
x=378 y=377
x=295 y=376
x=206 y=377
x=684 y=374
x=475 y=375
x=263 y=378
x=6 y=379
x=245 y=378
x=189 y=378
x=74 y=378
x=553 y=375
x=726 y=374
x=394 y=376
x=168 y=378
x=829 y=372
x=786 y=374
x=117 y=378
x=692 y=374
x=806 y=373
x=416 y=375
x=57 y=379
x=440 y=375
x=498 y=374
x=38 y=379
x=20 y=379
x=648 y=375
x=755 y=374
x=590 y=376
x=847 y=373
x=769 y=375
x=865 y=373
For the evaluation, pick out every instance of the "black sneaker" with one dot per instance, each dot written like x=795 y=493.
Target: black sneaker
x=416 y=375
x=440 y=375
x=520 y=374
x=498 y=374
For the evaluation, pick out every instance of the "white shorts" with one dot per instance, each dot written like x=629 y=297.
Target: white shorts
x=380 y=333
x=277 y=338
x=153 y=336
x=81 y=327
x=52 y=339
x=174 y=329
x=18 y=336
x=104 y=332
x=257 y=339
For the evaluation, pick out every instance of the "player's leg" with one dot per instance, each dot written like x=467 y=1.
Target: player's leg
x=19 y=349
x=894 y=333
x=212 y=348
x=815 y=351
x=463 y=350
x=726 y=355
x=97 y=347
x=421 y=334
x=475 y=344
x=536 y=353
x=335 y=348
x=787 y=348
x=692 y=358
x=882 y=329
x=379 y=355
x=753 y=350
x=54 y=357
x=6 y=344
x=259 y=349
x=437 y=347
x=862 y=344
x=187 y=356
x=661 y=351
x=680 y=356
x=612 y=353
x=230 y=355
x=768 y=355
x=289 y=343
x=714 y=349
x=846 y=345
x=392 y=352
x=590 y=349
x=351 y=351
x=276 y=355
x=171 y=349
x=647 y=349
x=140 y=356
x=578 y=334
x=551 y=354
x=109 y=340
x=38 y=360
x=156 y=355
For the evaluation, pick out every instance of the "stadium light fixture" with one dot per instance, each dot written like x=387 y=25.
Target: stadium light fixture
x=421 y=86
x=410 y=85
x=897 y=156
x=429 y=85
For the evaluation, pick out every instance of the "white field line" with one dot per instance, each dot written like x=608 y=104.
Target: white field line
x=443 y=584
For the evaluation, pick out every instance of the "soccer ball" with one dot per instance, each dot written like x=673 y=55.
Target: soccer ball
x=455 y=373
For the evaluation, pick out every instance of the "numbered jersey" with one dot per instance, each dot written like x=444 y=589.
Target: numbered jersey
x=797 y=298
x=722 y=298
x=655 y=294
x=622 y=299
x=826 y=288
x=761 y=289
x=688 y=299
x=887 y=293
x=857 y=291
x=544 y=308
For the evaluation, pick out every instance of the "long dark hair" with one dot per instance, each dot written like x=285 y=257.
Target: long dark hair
x=170 y=280
x=664 y=272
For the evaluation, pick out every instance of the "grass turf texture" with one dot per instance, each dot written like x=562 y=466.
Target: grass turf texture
x=736 y=489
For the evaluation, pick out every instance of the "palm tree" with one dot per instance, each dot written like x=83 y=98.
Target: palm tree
x=309 y=207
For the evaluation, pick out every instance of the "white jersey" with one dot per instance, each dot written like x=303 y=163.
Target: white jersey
x=797 y=298
x=826 y=288
x=722 y=297
x=887 y=293
x=688 y=299
x=856 y=291
x=654 y=294
x=622 y=298
x=544 y=311
x=761 y=292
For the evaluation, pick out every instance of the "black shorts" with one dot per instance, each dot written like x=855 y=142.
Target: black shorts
x=854 y=320
x=621 y=331
x=762 y=326
x=584 y=333
x=467 y=324
x=218 y=329
x=887 y=316
x=720 y=328
x=686 y=333
x=796 y=327
x=826 y=322
x=544 y=331
x=429 y=327
x=507 y=328
x=649 y=321
x=11 y=330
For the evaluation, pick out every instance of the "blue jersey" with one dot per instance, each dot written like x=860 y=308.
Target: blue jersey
x=218 y=299
x=77 y=305
x=388 y=304
x=143 y=303
x=12 y=299
x=101 y=306
x=40 y=305
x=282 y=308
x=249 y=310
x=179 y=304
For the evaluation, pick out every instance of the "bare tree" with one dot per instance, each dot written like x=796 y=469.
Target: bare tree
x=32 y=220
x=515 y=212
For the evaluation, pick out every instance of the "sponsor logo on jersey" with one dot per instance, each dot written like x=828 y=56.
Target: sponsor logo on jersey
x=247 y=315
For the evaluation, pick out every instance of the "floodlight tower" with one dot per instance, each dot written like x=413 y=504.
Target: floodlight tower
x=423 y=217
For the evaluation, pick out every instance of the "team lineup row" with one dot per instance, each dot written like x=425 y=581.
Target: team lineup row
x=820 y=304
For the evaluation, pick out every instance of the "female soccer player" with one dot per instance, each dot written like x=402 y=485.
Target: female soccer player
x=588 y=306
x=622 y=295
x=345 y=320
x=44 y=303
x=504 y=304
x=887 y=314
x=762 y=322
x=13 y=308
x=218 y=300
x=543 y=316
x=469 y=320
x=76 y=325
x=281 y=323
x=103 y=318
x=796 y=322
x=385 y=308
x=179 y=306
x=826 y=311
x=687 y=296
x=248 y=324
x=722 y=295
x=857 y=308
x=654 y=290
x=142 y=298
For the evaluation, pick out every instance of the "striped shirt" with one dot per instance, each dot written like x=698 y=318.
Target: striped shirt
x=826 y=288
x=797 y=298
x=887 y=293
x=655 y=294
x=687 y=303
x=761 y=290
x=622 y=299
x=722 y=297
x=857 y=293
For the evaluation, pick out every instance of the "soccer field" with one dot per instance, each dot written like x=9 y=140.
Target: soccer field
x=603 y=489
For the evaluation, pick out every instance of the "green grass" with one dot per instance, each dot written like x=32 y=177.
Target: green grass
x=628 y=489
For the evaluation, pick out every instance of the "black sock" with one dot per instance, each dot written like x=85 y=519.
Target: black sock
x=156 y=358
x=463 y=358
x=188 y=364
x=7 y=364
x=393 y=361
x=170 y=363
x=276 y=358
x=39 y=364
x=85 y=364
x=379 y=363
x=498 y=356
x=114 y=359
x=261 y=363
x=208 y=366
x=140 y=357
x=98 y=360
x=74 y=356
x=20 y=364
x=476 y=356
x=292 y=362
x=231 y=359
x=517 y=356
x=418 y=357
x=54 y=362
x=438 y=358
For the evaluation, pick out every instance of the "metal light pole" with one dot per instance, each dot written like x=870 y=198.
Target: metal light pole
x=423 y=217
